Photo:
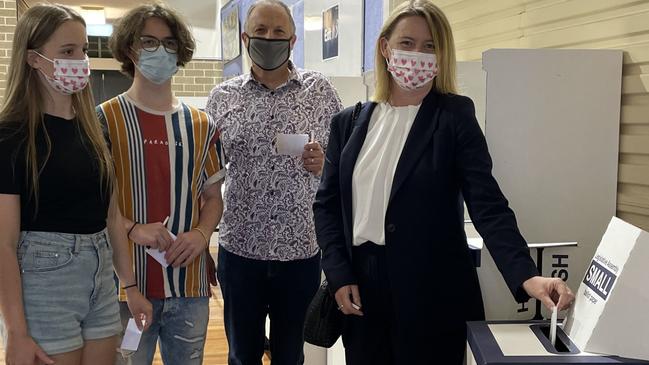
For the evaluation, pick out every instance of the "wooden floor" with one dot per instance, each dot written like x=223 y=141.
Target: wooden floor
x=216 y=348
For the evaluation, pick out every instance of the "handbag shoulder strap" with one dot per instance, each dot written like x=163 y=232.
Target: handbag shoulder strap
x=354 y=115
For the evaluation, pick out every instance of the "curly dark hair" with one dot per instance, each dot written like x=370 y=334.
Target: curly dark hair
x=129 y=28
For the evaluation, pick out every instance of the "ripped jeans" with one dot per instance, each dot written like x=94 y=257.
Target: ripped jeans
x=179 y=325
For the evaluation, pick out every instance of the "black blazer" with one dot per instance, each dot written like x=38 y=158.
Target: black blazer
x=444 y=159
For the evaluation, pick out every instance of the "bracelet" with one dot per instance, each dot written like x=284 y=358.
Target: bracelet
x=128 y=235
x=128 y=286
x=207 y=242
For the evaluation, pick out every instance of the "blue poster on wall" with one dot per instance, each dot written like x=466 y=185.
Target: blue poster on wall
x=330 y=33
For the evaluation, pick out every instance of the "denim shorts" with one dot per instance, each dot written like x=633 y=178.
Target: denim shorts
x=69 y=291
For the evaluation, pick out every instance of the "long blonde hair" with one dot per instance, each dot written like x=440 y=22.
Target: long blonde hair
x=24 y=100
x=440 y=29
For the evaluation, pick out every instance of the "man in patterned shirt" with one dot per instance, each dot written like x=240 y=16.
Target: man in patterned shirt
x=168 y=171
x=268 y=262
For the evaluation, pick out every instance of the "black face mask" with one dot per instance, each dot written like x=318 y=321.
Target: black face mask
x=269 y=54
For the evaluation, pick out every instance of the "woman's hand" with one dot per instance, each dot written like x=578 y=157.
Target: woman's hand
x=140 y=308
x=349 y=300
x=550 y=291
x=22 y=350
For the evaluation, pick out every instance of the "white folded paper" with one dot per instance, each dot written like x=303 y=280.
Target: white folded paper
x=132 y=336
x=291 y=144
x=160 y=256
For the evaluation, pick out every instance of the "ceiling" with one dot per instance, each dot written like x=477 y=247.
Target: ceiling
x=199 y=13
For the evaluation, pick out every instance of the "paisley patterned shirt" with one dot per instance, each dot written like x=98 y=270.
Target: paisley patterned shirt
x=268 y=197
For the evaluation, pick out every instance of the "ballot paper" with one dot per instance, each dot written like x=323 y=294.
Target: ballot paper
x=132 y=335
x=290 y=144
x=160 y=256
x=553 y=326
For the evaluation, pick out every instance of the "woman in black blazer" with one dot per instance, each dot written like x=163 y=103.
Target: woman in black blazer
x=389 y=210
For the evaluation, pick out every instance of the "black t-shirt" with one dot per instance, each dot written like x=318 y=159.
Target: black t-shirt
x=71 y=197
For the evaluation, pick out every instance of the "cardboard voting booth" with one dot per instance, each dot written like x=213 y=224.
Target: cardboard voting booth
x=608 y=323
x=611 y=310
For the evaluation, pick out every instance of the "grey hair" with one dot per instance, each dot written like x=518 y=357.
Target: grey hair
x=270 y=2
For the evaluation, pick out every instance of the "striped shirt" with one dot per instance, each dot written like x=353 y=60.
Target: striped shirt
x=162 y=162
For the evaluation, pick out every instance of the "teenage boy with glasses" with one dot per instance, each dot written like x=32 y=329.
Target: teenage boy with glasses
x=169 y=176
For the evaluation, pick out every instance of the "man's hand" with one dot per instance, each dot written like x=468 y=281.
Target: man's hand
x=153 y=235
x=185 y=249
x=313 y=158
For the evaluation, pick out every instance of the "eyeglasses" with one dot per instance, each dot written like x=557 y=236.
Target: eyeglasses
x=151 y=44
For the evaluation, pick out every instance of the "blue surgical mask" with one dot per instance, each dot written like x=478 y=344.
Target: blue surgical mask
x=157 y=66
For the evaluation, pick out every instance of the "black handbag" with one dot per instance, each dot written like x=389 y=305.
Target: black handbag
x=324 y=322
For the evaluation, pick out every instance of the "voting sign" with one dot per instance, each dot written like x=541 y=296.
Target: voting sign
x=611 y=310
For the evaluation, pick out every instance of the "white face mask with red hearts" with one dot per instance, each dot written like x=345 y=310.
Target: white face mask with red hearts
x=70 y=76
x=412 y=70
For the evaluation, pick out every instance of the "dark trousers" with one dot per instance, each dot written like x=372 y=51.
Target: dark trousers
x=379 y=337
x=253 y=289
x=370 y=339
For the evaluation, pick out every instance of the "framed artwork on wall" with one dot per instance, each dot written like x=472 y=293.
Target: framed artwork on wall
x=230 y=32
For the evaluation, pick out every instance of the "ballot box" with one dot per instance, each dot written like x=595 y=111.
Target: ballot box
x=527 y=343
x=610 y=314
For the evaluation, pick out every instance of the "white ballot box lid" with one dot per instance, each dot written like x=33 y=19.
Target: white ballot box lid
x=524 y=343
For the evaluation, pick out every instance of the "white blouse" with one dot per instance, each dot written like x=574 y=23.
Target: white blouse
x=374 y=170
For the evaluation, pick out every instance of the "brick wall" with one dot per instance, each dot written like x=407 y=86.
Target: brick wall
x=7 y=28
x=197 y=78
